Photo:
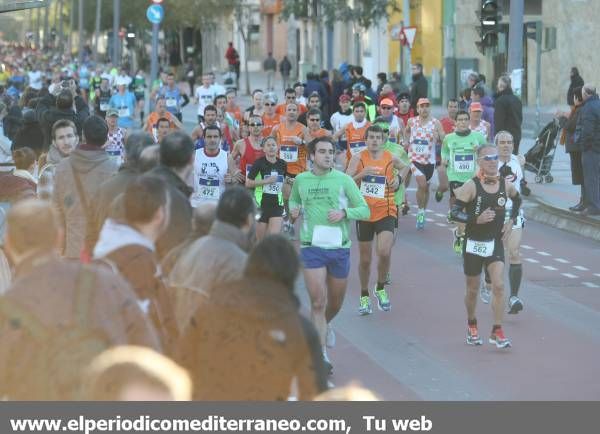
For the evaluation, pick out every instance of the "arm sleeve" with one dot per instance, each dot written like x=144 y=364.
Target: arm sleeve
x=357 y=206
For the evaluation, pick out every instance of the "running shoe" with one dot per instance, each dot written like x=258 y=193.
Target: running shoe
x=383 y=300
x=330 y=337
x=473 y=336
x=405 y=208
x=365 y=306
x=457 y=244
x=421 y=220
x=515 y=305
x=485 y=293
x=327 y=363
x=439 y=196
x=388 y=278
x=497 y=338
x=449 y=218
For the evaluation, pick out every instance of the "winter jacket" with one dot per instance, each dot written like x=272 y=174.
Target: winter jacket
x=587 y=131
x=248 y=342
x=131 y=254
x=488 y=113
x=569 y=131
x=47 y=114
x=508 y=114
x=192 y=281
x=58 y=300
x=418 y=89
x=93 y=167
x=30 y=135
x=180 y=213
x=576 y=81
x=16 y=185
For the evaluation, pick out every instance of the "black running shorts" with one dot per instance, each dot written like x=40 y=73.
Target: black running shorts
x=473 y=264
x=365 y=231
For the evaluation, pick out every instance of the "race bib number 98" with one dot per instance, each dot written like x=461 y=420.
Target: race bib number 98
x=485 y=249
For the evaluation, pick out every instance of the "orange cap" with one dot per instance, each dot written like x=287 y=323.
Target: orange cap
x=386 y=101
x=475 y=107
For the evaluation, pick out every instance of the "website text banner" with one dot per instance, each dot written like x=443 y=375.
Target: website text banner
x=323 y=417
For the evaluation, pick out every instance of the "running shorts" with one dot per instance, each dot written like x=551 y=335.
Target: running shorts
x=365 y=231
x=473 y=264
x=268 y=212
x=425 y=170
x=336 y=261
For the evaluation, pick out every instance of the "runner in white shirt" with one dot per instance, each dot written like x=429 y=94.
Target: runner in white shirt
x=341 y=118
x=204 y=95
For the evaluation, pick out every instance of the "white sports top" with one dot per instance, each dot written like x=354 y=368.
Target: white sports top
x=209 y=176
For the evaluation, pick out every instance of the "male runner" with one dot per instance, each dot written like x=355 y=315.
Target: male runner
x=327 y=199
x=481 y=205
x=248 y=149
x=511 y=169
x=396 y=127
x=341 y=118
x=459 y=158
x=373 y=169
x=313 y=119
x=355 y=132
x=422 y=133
x=448 y=124
x=175 y=99
x=290 y=98
x=266 y=177
x=477 y=123
x=269 y=117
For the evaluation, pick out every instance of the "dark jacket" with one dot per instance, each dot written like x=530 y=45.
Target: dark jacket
x=47 y=114
x=488 y=113
x=569 y=129
x=55 y=301
x=418 y=89
x=508 y=114
x=14 y=188
x=248 y=342
x=180 y=224
x=576 y=81
x=587 y=131
x=285 y=67
x=13 y=121
x=316 y=86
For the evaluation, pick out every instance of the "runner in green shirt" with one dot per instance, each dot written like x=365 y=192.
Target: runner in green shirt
x=459 y=158
x=328 y=199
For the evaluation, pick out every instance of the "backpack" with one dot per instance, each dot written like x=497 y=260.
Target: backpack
x=53 y=370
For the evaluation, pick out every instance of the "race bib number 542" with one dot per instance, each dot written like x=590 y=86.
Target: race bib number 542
x=373 y=186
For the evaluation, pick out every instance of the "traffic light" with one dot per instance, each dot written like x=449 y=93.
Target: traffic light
x=489 y=18
x=130 y=36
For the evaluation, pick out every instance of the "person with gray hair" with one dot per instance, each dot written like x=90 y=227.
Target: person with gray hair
x=587 y=136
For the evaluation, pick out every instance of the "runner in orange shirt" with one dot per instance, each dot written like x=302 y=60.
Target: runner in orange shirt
x=269 y=117
x=313 y=119
x=290 y=98
x=355 y=132
x=160 y=111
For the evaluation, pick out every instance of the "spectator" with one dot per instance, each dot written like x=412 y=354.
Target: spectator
x=129 y=245
x=574 y=149
x=233 y=59
x=270 y=67
x=285 y=68
x=381 y=80
x=130 y=373
x=175 y=168
x=478 y=95
x=314 y=84
x=472 y=79
x=576 y=81
x=58 y=315
x=78 y=178
x=419 y=86
x=508 y=111
x=63 y=109
x=20 y=183
x=337 y=90
x=465 y=99
x=64 y=141
x=223 y=253
x=587 y=136
x=324 y=79
x=269 y=343
x=30 y=135
x=398 y=85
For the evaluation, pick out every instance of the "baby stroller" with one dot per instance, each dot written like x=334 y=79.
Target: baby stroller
x=540 y=157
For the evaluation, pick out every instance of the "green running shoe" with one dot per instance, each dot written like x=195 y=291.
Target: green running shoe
x=383 y=300
x=365 y=306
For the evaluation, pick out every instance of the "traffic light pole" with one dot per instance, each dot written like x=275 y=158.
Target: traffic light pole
x=515 y=35
x=116 y=24
x=407 y=60
x=154 y=56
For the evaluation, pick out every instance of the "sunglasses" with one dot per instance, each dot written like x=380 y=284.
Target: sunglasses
x=269 y=104
x=254 y=124
x=492 y=157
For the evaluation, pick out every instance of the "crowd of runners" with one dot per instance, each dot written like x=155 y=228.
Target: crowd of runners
x=310 y=164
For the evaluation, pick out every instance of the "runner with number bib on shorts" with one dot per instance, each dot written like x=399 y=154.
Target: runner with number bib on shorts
x=481 y=205
x=327 y=199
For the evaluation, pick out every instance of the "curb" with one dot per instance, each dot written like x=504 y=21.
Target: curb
x=540 y=211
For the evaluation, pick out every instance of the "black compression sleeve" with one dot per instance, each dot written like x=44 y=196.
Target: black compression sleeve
x=458 y=214
x=516 y=206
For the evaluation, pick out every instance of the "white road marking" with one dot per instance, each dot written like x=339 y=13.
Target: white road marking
x=590 y=285
x=526 y=247
x=569 y=275
x=561 y=260
x=580 y=268
x=597 y=274
x=442 y=225
x=533 y=261
x=440 y=215
x=429 y=220
x=429 y=210
x=543 y=253
x=549 y=267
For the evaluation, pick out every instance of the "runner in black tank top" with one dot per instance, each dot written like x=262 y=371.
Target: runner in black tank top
x=480 y=203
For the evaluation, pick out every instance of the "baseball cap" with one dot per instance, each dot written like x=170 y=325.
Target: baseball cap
x=404 y=96
x=386 y=101
x=475 y=107
x=423 y=101
x=120 y=81
x=344 y=98
x=112 y=112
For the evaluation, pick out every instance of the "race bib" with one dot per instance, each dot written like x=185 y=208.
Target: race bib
x=289 y=154
x=373 y=186
x=276 y=187
x=171 y=102
x=124 y=112
x=464 y=163
x=327 y=237
x=209 y=189
x=485 y=249
x=420 y=147
x=357 y=147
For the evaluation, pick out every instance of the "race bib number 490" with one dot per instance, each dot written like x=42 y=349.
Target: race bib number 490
x=485 y=249
x=373 y=186
x=464 y=163
x=289 y=154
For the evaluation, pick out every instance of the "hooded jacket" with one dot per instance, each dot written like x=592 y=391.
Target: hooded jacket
x=508 y=114
x=223 y=253
x=93 y=167
x=488 y=113
x=248 y=342
x=16 y=185
x=587 y=130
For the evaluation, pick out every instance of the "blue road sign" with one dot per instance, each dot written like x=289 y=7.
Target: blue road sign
x=155 y=14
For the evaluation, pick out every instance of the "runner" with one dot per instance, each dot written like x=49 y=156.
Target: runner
x=139 y=90
x=290 y=98
x=210 y=118
x=477 y=123
x=160 y=111
x=313 y=117
x=163 y=127
x=266 y=177
x=373 y=169
x=359 y=96
x=116 y=136
x=257 y=107
x=269 y=117
x=327 y=199
x=204 y=96
x=124 y=102
x=354 y=132
x=340 y=119
x=448 y=124
x=102 y=98
x=511 y=169
x=422 y=133
x=396 y=127
x=175 y=99
x=405 y=112
x=480 y=204
x=211 y=169
x=248 y=149
x=459 y=157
